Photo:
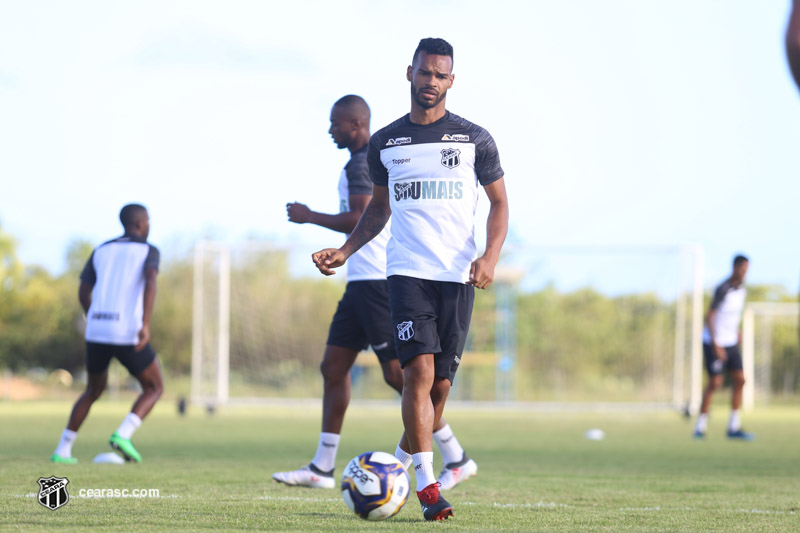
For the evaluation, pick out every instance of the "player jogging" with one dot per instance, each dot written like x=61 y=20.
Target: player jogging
x=426 y=168
x=117 y=292
x=721 y=339
x=362 y=317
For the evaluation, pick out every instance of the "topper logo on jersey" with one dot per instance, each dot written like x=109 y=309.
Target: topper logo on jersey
x=451 y=157
x=457 y=137
x=399 y=140
x=405 y=330
x=429 y=190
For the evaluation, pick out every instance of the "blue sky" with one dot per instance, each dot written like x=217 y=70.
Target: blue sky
x=618 y=122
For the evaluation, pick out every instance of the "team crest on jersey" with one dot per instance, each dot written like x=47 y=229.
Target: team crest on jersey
x=451 y=157
x=53 y=492
x=456 y=137
x=405 y=330
x=398 y=140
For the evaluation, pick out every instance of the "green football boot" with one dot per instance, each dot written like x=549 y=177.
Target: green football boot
x=125 y=447
x=63 y=460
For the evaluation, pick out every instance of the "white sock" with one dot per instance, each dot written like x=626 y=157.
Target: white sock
x=702 y=422
x=64 y=448
x=452 y=452
x=403 y=457
x=423 y=467
x=735 y=423
x=325 y=458
x=129 y=426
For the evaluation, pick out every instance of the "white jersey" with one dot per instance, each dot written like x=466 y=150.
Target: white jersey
x=728 y=303
x=116 y=271
x=368 y=263
x=433 y=172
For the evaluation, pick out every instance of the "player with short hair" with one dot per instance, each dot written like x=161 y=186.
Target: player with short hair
x=426 y=168
x=721 y=339
x=362 y=317
x=117 y=292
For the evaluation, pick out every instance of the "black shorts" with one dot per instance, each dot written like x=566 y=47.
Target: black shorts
x=98 y=357
x=362 y=319
x=715 y=367
x=431 y=317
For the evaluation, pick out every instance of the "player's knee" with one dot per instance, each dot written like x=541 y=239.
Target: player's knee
x=153 y=387
x=440 y=390
x=331 y=373
x=93 y=392
x=394 y=380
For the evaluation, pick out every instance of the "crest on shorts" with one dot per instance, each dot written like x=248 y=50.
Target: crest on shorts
x=405 y=330
x=53 y=492
x=451 y=157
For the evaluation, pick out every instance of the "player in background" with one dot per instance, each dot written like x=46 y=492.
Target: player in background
x=721 y=339
x=426 y=168
x=793 y=41
x=362 y=317
x=117 y=292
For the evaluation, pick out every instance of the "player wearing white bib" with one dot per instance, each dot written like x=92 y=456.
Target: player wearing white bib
x=362 y=316
x=426 y=168
x=721 y=339
x=117 y=292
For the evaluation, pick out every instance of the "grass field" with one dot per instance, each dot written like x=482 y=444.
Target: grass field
x=536 y=471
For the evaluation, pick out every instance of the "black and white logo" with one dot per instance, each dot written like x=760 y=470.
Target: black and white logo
x=405 y=330
x=451 y=157
x=53 y=492
x=456 y=137
x=399 y=140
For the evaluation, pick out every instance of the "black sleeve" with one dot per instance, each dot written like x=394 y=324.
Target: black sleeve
x=357 y=171
x=487 y=159
x=719 y=295
x=377 y=172
x=88 y=274
x=153 y=257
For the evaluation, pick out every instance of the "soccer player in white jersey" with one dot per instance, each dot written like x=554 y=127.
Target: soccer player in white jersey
x=362 y=317
x=117 y=292
x=721 y=339
x=426 y=168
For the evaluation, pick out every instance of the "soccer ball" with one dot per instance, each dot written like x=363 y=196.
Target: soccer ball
x=375 y=485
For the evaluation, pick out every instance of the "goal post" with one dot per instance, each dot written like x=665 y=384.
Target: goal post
x=577 y=324
x=767 y=327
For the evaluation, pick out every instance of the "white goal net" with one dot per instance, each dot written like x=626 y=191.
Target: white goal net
x=580 y=324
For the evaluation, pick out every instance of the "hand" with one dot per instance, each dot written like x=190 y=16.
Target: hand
x=298 y=213
x=722 y=355
x=328 y=259
x=481 y=273
x=144 y=338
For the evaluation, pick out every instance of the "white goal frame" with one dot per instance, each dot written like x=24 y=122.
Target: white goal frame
x=749 y=348
x=688 y=331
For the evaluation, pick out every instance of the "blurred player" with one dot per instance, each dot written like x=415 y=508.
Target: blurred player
x=426 y=167
x=362 y=317
x=793 y=41
x=721 y=339
x=117 y=292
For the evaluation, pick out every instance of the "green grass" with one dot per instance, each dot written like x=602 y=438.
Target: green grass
x=536 y=471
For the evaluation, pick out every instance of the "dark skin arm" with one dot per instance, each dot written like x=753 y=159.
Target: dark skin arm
x=342 y=222
x=481 y=272
x=85 y=296
x=793 y=41
x=149 y=299
x=722 y=355
x=372 y=221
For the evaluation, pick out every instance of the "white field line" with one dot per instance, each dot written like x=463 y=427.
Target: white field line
x=528 y=505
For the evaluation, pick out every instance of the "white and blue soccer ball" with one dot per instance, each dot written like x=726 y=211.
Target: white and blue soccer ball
x=375 y=485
